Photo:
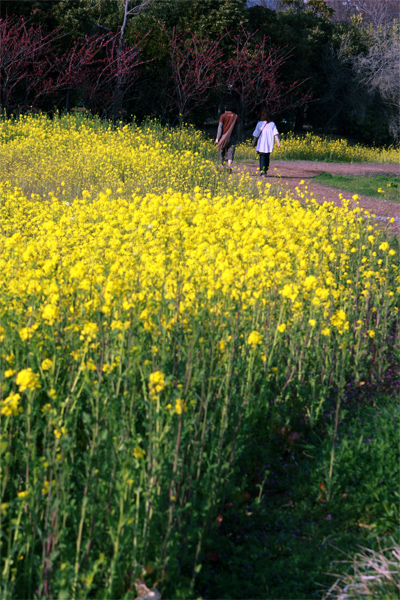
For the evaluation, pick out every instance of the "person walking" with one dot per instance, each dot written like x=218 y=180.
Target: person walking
x=227 y=135
x=265 y=135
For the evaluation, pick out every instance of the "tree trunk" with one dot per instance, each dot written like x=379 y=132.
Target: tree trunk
x=117 y=96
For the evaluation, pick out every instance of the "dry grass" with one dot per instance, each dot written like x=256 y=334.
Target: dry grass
x=375 y=575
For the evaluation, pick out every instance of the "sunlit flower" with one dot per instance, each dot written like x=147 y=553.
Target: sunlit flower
x=59 y=432
x=27 y=380
x=156 y=383
x=10 y=405
x=180 y=406
x=47 y=364
x=254 y=338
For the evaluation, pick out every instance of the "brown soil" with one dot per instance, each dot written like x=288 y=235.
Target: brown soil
x=288 y=174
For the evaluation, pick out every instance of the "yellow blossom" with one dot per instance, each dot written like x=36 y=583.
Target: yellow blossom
x=338 y=318
x=26 y=333
x=50 y=313
x=47 y=364
x=254 y=338
x=139 y=452
x=27 y=380
x=46 y=486
x=10 y=406
x=90 y=331
x=180 y=406
x=156 y=383
x=59 y=432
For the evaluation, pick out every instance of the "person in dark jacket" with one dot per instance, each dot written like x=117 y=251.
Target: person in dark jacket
x=227 y=135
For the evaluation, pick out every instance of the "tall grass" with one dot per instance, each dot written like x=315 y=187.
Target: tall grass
x=374 y=575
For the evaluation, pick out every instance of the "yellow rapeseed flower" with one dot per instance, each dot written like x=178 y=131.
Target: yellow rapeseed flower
x=60 y=432
x=180 y=406
x=47 y=364
x=156 y=383
x=138 y=452
x=27 y=380
x=10 y=405
x=254 y=338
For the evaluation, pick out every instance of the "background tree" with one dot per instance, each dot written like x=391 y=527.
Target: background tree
x=63 y=72
x=195 y=64
x=348 y=58
x=36 y=70
x=375 y=12
x=341 y=98
x=209 y=18
x=252 y=76
x=307 y=35
x=318 y=7
x=97 y=68
x=124 y=56
x=377 y=70
x=23 y=64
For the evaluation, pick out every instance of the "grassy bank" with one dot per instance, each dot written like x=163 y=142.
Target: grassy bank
x=381 y=186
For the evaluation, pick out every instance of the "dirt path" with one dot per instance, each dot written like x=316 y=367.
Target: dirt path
x=288 y=174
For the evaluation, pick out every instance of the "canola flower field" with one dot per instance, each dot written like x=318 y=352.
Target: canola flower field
x=153 y=311
x=315 y=147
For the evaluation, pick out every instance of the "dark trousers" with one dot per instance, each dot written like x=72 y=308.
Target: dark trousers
x=264 y=161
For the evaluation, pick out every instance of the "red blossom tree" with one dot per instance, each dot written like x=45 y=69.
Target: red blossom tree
x=23 y=53
x=253 y=77
x=100 y=68
x=195 y=65
x=126 y=58
x=118 y=73
x=61 y=72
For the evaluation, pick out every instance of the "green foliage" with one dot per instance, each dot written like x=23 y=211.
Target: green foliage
x=211 y=18
x=317 y=7
x=381 y=186
x=286 y=541
x=304 y=34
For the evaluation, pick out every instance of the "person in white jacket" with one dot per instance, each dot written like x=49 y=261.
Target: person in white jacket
x=265 y=135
